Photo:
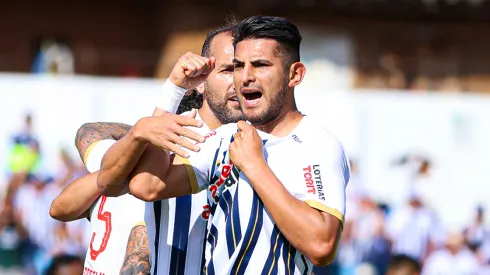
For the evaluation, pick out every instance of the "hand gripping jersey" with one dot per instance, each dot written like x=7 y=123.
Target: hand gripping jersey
x=242 y=237
x=111 y=221
x=177 y=230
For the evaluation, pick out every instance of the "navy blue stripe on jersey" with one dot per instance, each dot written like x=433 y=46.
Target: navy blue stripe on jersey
x=226 y=205
x=306 y=265
x=288 y=254
x=213 y=237
x=157 y=211
x=235 y=219
x=203 y=257
x=210 y=269
x=181 y=232
x=251 y=236
x=213 y=167
x=270 y=266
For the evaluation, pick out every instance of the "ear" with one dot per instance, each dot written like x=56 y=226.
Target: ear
x=296 y=73
x=200 y=88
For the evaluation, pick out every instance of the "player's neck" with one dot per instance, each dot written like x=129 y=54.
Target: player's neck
x=285 y=123
x=208 y=117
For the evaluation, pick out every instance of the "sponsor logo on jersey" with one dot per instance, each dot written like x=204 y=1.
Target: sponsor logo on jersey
x=313 y=180
x=228 y=177
x=208 y=135
x=206 y=211
x=296 y=138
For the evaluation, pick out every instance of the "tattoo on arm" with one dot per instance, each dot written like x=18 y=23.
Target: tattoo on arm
x=92 y=132
x=137 y=259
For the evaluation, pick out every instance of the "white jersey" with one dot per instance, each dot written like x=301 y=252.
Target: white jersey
x=242 y=237
x=111 y=222
x=177 y=230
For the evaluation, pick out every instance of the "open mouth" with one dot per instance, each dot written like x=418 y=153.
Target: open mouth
x=251 y=96
x=234 y=98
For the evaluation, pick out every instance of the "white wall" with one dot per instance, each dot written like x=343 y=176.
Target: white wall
x=374 y=126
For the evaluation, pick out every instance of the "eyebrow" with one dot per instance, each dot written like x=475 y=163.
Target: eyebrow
x=226 y=65
x=254 y=62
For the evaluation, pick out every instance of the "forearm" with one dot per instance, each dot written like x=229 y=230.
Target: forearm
x=76 y=199
x=89 y=133
x=137 y=259
x=158 y=176
x=306 y=228
x=117 y=164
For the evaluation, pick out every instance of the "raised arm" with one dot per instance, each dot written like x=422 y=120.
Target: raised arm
x=121 y=159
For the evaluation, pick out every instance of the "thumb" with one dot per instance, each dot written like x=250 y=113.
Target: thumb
x=243 y=126
x=212 y=63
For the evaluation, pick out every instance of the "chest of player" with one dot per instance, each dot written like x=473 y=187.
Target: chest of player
x=288 y=158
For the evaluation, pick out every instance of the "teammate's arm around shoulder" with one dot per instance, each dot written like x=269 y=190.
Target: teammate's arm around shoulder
x=77 y=197
x=75 y=200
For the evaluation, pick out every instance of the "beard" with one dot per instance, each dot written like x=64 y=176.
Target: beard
x=273 y=109
x=219 y=106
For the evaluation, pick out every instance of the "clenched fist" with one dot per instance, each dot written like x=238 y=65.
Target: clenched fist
x=246 y=150
x=191 y=70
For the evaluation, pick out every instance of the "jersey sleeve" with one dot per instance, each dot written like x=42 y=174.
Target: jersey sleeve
x=324 y=173
x=199 y=165
x=95 y=153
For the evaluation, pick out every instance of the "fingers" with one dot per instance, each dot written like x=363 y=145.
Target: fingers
x=244 y=126
x=188 y=133
x=188 y=121
x=177 y=150
x=176 y=144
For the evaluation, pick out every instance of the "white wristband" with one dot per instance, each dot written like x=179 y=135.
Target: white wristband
x=171 y=97
x=95 y=153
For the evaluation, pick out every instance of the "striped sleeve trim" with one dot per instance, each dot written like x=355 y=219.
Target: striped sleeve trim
x=89 y=149
x=190 y=173
x=332 y=211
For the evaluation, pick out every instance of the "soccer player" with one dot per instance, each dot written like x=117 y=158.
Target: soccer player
x=276 y=187
x=220 y=106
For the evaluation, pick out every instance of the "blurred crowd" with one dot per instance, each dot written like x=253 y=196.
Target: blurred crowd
x=31 y=242
x=377 y=238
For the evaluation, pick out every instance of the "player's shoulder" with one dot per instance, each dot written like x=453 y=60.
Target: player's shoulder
x=319 y=136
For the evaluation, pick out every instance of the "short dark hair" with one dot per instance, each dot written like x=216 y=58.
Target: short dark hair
x=190 y=101
x=401 y=261
x=270 y=27
x=61 y=260
x=206 y=47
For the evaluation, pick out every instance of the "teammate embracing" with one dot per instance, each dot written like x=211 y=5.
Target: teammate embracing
x=276 y=187
x=176 y=236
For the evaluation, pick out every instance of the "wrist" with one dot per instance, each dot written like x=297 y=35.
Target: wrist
x=255 y=169
x=137 y=132
x=172 y=94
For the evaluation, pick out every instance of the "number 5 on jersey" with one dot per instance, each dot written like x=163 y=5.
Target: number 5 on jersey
x=106 y=218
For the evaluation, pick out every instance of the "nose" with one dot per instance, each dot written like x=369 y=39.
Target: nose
x=248 y=75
